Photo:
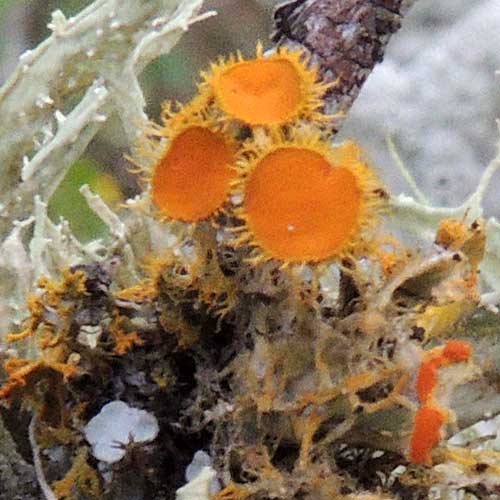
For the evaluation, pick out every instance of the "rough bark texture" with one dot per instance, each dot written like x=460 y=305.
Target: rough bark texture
x=346 y=38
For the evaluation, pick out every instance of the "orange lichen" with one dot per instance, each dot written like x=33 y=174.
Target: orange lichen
x=427 y=379
x=191 y=180
x=124 y=340
x=454 y=351
x=146 y=291
x=23 y=372
x=456 y=235
x=304 y=200
x=81 y=476
x=36 y=309
x=187 y=162
x=269 y=90
x=452 y=234
x=457 y=350
x=426 y=433
x=233 y=492
x=306 y=429
x=430 y=417
x=72 y=284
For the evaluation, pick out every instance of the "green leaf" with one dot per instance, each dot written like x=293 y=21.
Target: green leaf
x=67 y=202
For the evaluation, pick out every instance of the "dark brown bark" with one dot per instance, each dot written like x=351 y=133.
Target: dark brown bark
x=346 y=38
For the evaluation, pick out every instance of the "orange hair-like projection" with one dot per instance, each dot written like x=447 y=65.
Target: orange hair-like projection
x=271 y=90
x=306 y=201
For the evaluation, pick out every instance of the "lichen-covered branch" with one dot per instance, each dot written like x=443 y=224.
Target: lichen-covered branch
x=309 y=353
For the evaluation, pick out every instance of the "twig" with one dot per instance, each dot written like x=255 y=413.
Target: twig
x=42 y=482
x=419 y=195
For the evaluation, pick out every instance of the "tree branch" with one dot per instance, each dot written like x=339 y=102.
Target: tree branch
x=345 y=38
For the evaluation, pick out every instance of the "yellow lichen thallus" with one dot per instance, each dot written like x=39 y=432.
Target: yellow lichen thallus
x=304 y=200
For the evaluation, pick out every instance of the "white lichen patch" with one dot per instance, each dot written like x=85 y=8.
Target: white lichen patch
x=483 y=435
x=201 y=460
x=198 y=488
x=115 y=427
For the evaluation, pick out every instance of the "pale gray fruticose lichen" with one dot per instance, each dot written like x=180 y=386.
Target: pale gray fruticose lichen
x=423 y=220
x=100 y=52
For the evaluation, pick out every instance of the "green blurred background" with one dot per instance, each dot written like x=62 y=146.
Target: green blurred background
x=23 y=25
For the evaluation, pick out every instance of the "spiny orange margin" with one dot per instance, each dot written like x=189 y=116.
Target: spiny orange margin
x=189 y=163
x=268 y=90
x=304 y=200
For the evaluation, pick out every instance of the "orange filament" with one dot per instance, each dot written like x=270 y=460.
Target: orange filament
x=191 y=180
x=261 y=92
x=457 y=350
x=426 y=433
x=300 y=207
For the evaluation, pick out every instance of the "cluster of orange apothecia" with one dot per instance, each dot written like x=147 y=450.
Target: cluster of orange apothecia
x=253 y=143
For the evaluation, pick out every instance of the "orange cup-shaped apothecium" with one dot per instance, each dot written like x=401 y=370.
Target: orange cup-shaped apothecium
x=306 y=201
x=268 y=90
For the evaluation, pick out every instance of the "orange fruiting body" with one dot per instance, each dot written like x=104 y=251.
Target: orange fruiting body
x=192 y=179
x=426 y=433
x=306 y=201
x=309 y=218
x=270 y=98
x=266 y=90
